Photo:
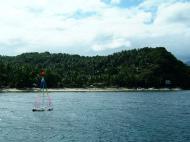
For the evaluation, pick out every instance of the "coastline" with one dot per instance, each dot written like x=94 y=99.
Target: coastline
x=4 y=90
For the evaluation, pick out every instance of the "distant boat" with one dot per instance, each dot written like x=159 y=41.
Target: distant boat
x=43 y=102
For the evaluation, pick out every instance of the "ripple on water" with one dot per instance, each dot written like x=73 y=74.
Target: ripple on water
x=109 y=116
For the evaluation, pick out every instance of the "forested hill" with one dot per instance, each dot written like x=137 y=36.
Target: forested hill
x=147 y=67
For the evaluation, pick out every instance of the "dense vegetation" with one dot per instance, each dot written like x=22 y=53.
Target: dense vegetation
x=147 y=67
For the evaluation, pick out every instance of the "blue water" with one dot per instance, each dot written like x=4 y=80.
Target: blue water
x=97 y=117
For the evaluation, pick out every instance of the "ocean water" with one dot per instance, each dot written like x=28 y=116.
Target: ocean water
x=97 y=117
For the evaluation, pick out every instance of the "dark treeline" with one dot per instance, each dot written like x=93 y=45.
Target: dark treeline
x=147 y=67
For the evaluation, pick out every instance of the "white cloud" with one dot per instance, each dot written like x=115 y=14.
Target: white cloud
x=51 y=25
x=174 y=14
x=115 y=1
x=105 y=42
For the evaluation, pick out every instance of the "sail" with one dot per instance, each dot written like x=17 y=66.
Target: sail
x=43 y=100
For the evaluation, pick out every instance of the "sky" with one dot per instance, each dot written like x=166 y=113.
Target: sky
x=94 y=27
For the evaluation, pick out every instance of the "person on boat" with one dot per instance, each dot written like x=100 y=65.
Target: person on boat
x=41 y=103
x=43 y=82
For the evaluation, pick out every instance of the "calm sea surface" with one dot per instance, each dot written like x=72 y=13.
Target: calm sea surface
x=97 y=117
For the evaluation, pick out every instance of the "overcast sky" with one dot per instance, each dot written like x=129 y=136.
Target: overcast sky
x=90 y=27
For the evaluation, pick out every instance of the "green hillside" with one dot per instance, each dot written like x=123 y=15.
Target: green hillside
x=146 y=67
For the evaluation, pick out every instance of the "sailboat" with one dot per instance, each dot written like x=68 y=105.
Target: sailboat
x=43 y=100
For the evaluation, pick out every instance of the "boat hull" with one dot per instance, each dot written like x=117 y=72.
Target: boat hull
x=42 y=109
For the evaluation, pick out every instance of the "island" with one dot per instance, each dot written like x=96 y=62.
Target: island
x=133 y=69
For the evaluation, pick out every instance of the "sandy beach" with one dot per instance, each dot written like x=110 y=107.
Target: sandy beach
x=87 y=89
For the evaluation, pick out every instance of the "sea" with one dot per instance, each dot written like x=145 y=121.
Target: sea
x=157 y=116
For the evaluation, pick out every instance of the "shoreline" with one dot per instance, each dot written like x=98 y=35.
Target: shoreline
x=4 y=90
